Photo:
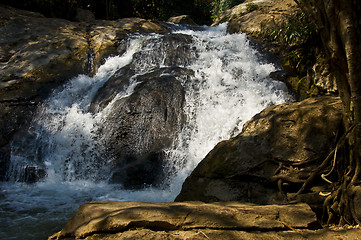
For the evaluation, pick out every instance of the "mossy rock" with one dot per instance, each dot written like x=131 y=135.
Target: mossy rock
x=303 y=87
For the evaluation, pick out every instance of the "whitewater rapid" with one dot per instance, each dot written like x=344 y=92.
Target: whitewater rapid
x=231 y=84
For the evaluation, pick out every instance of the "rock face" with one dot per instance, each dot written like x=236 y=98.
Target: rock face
x=145 y=123
x=142 y=125
x=38 y=54
x=268 y=162
x=190 y=220
x=31 y=45
x=252 y=17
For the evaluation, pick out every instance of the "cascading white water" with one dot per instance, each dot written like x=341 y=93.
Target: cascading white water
x=230 y=86
x=63 y=131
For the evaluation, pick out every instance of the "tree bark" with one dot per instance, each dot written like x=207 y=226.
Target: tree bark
x=339 y=25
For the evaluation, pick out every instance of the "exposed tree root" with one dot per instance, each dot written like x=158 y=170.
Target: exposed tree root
x=341 y=207
x=326 y=163
x=323 y=176
x=343 y=166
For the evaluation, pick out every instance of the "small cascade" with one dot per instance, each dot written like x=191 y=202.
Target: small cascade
x=62 y=138
x=64 y=151
x=231 y=85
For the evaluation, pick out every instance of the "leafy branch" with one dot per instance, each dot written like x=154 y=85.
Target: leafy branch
x=296 y=31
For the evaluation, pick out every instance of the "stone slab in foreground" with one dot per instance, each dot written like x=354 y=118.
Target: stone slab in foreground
x=185 y=220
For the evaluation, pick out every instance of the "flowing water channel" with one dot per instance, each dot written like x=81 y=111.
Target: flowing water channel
x=231 y=84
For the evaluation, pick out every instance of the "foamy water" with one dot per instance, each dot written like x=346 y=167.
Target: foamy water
x=230 y=85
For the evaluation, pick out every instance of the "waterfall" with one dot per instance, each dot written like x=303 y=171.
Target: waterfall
x=62 y=136
x=230 y=84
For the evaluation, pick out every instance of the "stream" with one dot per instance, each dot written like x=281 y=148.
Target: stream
x=230 y=84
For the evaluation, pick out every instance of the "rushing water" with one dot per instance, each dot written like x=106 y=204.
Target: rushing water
x=231 y=84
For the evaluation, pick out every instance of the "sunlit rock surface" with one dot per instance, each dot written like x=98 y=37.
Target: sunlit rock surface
x=183 y=19
x=189 y=220
x=196 y=220
x=255 y=16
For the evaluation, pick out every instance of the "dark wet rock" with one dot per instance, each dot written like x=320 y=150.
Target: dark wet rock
x=167 y=50
x=4 y=161
x=277 y=150
x=141 y=126
x=32 y=174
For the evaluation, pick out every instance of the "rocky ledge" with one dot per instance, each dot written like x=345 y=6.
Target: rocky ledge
x=270 y=162
x=195 y=220
x=39 y=54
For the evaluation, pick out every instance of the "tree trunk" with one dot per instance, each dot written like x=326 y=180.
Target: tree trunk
x=339 y=24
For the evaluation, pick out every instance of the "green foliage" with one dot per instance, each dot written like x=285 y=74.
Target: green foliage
x=199 y=10
x=219 y=6
x=250 y=7
x=296 y=31
x=49 y=8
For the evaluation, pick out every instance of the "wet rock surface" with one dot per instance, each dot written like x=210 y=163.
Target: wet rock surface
x=153 y=111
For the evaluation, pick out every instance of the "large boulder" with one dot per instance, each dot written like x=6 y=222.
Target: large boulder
x=189 y=220
x=141 y=126
x=37 y=55
x=277 y=150
x=254 y=17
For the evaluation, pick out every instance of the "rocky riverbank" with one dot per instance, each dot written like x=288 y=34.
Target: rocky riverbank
x=272 y=161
